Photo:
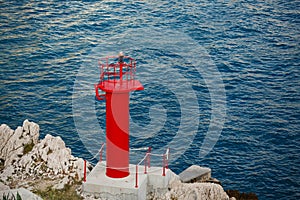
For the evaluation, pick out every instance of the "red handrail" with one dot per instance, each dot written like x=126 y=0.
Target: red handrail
x=105 y=73
x=136 y=176
x=84 y=171
x=164 y=165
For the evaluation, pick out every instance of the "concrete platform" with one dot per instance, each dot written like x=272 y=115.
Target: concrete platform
x=99 y=185
x=195 y=173
x=155 y=178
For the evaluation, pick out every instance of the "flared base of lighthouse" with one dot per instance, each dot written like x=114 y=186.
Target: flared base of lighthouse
x=98 y=185
x=113 y=173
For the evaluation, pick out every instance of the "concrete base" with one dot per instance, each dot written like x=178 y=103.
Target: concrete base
x=156 y=179
x=99 y=185
x=195 y=173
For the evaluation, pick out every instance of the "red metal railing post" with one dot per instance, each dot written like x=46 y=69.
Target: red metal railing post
x=121 y=71
x=136 y=176
x=145 y=171
x=84 y=171
x=145 y=163
x=164 y=167
x=114 y=73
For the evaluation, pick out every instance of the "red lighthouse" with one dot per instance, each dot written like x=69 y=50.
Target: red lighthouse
x=117 y=79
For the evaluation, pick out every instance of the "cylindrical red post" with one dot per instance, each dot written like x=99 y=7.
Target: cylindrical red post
x=164 y=168
x=136 y=176
x=145 y=163
x=121 y=70
x=117 y=134
x=84 y=171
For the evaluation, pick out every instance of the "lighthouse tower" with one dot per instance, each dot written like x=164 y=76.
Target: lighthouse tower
x=116 y=178
x=117 y=80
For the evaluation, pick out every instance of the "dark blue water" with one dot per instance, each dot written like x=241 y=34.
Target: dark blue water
x=45 y=48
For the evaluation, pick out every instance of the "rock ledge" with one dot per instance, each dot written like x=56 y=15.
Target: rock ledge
x=26 y=160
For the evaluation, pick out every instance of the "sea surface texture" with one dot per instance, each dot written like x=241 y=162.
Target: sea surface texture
x=221 y=82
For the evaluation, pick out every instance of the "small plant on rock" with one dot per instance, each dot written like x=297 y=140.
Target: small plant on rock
x=28 y=147
x=10 y=196
x=67 y=193
x=2 y=164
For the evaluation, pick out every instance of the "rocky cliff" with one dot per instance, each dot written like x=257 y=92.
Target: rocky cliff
x=29 y=162
x=178 y=190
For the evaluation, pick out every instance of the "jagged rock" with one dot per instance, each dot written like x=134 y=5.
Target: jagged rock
x=213 y=180
x=187 y=191
x=51 y=156
x=51 y=153
x=179 y=189
x=7 y=173
x=195 y=173
x=32 y=129
x=12 y=143
x=3 y=187
x=62 y=183
x=46 y=158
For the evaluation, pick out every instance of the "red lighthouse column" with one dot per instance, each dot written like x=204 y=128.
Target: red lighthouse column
x=117 y=134
x=117 y=80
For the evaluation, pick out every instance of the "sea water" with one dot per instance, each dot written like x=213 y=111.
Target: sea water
x=221 y=81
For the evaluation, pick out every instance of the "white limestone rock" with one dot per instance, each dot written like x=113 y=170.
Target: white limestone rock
x=190 y=191
x=51 y=156
x=195 y=173
x=5 y=143
x=78 y=166
x=62 y=183
x=3 y=187
x=7 y=173
x=186 y=191
x=12 y=143
x=48 y=158
x=32 y=129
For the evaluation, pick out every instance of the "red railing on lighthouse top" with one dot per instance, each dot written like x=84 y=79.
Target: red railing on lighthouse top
x=117 y=74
